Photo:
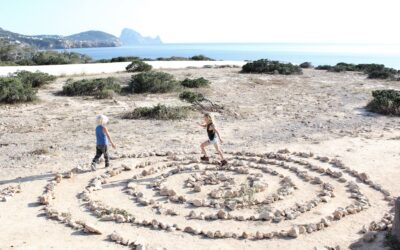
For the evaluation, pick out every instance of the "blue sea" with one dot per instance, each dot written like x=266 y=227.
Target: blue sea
x=318 y=54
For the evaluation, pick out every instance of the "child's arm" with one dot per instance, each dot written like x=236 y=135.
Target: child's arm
x=105 y=130
x=216 y=131
x=202 y=124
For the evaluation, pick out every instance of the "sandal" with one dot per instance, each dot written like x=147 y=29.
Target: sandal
x=204 y=158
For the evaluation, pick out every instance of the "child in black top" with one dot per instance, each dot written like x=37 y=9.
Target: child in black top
x=214 y=138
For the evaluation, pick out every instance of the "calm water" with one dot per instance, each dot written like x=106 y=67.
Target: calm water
x=296 y=53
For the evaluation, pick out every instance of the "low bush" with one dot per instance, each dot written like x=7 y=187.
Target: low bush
x=138 y=66
x=374 y=71
x=124 y=59
x=306 y=65
x=200 y=58
x=367 y=68
x=323 y=67
x=53 y=58
x=341 y=67
x=13 y=90
x=35 y=79
x=385 y=102
x=191 y=97
x=195 y=83
x=100 y=87
x=271 y=67
x=159 y=112
x=152 y=82
x=385 y=73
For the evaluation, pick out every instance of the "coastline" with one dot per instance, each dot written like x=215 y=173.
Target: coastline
x=98 y=68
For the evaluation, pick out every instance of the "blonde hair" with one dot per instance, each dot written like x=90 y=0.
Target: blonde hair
x=210 y=118
x=101 y=120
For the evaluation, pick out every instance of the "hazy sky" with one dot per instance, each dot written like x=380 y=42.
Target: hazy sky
x=345 y=21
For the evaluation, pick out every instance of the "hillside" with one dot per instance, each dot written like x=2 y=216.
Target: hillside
x=87 y=39
x=81 y=40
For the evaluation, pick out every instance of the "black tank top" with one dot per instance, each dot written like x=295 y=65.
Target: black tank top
x=210 y=133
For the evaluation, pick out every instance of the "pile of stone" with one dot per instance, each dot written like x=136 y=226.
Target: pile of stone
x=7 y=193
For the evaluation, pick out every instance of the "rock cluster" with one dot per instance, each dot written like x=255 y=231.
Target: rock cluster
x=225 y=199
x=7 y=193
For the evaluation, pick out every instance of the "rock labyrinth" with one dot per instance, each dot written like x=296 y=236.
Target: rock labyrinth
x=257 y=196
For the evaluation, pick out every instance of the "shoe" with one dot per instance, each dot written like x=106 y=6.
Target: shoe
x=93 y=167
x=223 y=163
x=107 y=166
x=204 y=158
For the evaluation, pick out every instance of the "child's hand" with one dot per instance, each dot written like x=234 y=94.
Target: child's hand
x=114 y=146
x=220 y=140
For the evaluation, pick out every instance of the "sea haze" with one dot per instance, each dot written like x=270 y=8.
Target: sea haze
x=318 y=54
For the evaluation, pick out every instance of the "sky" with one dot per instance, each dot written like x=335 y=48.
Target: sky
x=208 y=21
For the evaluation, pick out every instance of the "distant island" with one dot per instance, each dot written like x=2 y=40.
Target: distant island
x=132 y=37
x=87 y=39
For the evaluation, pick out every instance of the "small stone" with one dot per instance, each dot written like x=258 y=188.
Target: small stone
x=197 y=189
x=363 y=176
x=369 y=236
x=294 y=232
x=196 y=203
x=221 y=215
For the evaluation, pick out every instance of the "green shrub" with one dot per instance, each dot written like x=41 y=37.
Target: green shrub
x=124 y=59
x=306 y=65
x=367 y=68
x=53 y=58
x=138 y=66
x=271 y=67
x=200 y=58
x=152 y=82
x=13 y=90
x=342 y=67
x=159 y=112
x=172 y=58
x=35 y=79
x=385 y=73
x=385 y=102
x=374 y=71
x=324 y=67
x=100 y=87
x=191 y=97
x=195 y=83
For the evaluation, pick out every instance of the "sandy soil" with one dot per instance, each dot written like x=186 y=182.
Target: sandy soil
x=318 y=112
x=103 y=68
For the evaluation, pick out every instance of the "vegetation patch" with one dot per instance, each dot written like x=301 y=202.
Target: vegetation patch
x=373 y=70
x=306 y=65
x=159 y=112
x=35 y=79
x=138 y=66
x=191 y=97
x=22 y=54
x=271 y=67
x=323 y=67
x=100 y=88
x=385 y=102
x=195 y=83
x=152 y=82
x=13 y=90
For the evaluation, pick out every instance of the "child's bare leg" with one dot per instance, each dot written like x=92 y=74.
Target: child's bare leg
x=218 y=148
x=203 y=148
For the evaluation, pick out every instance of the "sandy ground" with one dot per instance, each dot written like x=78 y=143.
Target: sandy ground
x=99 y=68
x=319 y=112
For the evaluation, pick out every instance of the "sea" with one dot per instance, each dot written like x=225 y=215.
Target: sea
x=317 y=54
